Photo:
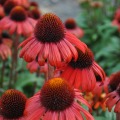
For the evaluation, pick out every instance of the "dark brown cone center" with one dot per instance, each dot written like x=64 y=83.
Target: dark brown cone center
x=18 y=14
x=12 y=104
x=49 y=29
x=84 y=60
x=57 y=95
x=70 y=24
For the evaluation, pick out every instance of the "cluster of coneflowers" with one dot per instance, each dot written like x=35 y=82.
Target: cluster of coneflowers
x=17 y=20
x=53 y=48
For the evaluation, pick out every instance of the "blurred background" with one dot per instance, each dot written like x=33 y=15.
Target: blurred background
x=63 y=8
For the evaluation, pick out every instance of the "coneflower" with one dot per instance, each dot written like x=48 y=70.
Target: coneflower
x=57 y=100
x=71 y=26
x=113 y=98
x=9 y=5
x=81 y=73
x=18 y=22
x=5 y=50
x=51 y=42
x=12 y=105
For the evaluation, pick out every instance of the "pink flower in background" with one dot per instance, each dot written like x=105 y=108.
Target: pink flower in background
x=116 y=23
x=57 y=100
x=34 y=67
x=117 y=14
x=18 y=22
x=8 y=6
x=113 y=98
x=5 y=50
x=71 y=26
x=34 y=13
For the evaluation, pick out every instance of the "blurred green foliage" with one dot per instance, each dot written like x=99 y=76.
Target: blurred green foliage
x=100 y=35
x=102 y=38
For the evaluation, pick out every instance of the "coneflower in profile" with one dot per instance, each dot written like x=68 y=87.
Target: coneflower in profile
x=113 y=98
x=81 y=73
x=18 y=22
x=5 y=50
x=57 y=100
x=12 y=105
x=51 y=42
x=71 y=26
x=34 y=67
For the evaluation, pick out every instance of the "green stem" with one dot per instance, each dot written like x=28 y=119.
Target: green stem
x=2 y=74
x=13 y=73
x=16 y=57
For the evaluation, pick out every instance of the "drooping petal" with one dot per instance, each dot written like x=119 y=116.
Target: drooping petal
x=75 y=41
x=73 y=49
x=37 y=114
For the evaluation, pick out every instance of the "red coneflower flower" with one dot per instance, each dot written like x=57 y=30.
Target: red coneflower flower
x=12 y=105
x=72 y=27
x=5 y=50
x=18 y=22
x=114 y=81
x=34 y=67
x=117 y=14
x=81 y=73
x=9 y=5
x=97 y=91
x=57 y=101
x=6 y=39
x=34 y=13
x=50 y=41
x=113 y=98
x=116 y=22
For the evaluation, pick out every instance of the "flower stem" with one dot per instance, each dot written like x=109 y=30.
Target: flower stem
x=35 y=83
x=13 y=74
x=50 y=72
x=2 y=74
x=16 y=57
x=117 y=116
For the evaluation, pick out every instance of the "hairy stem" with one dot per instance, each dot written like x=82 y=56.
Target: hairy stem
x=2 y=74
x=13 y=73
x=50 y=71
